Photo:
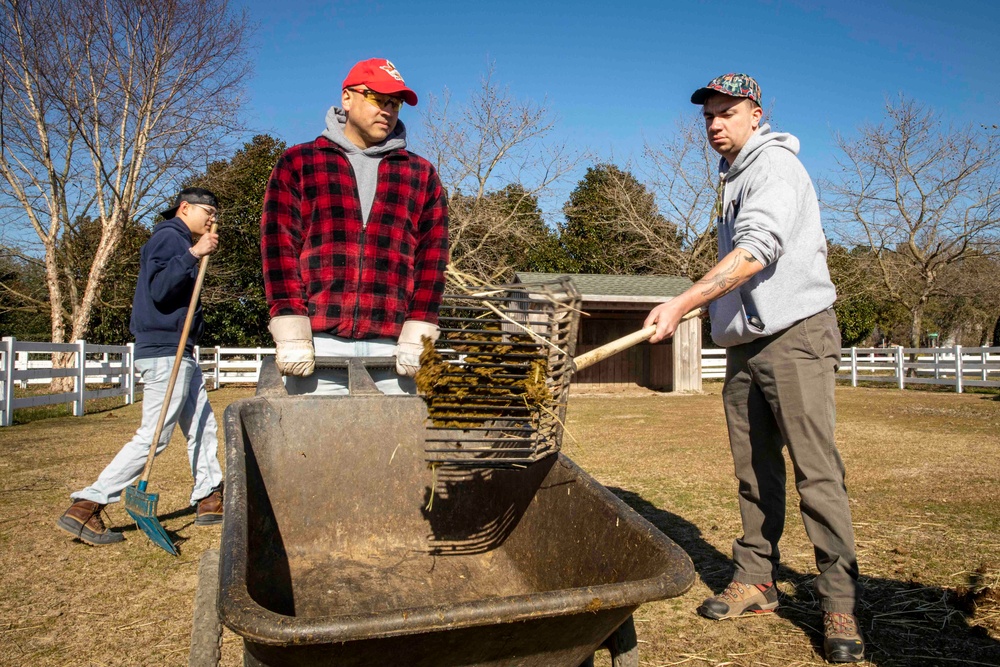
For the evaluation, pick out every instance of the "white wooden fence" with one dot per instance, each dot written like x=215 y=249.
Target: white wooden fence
x=20 y=366
x=957 y=367
x=23 y=364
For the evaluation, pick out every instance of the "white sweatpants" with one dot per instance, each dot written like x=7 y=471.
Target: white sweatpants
x=188 y=407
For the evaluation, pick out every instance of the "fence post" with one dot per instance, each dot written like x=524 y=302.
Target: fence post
x=258 y=358
x=899 y=365
x=6 y=416
x=854 y=367
x=983 y=359
x=23 y=361
x=218 y=362
x=128 y=364
x=81 y=376
x=958 y=368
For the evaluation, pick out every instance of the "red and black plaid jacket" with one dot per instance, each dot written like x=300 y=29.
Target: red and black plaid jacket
x=353 y=280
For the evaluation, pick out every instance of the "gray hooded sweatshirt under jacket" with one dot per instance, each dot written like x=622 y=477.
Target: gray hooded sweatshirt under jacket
x=364 y=162
x=770 y=210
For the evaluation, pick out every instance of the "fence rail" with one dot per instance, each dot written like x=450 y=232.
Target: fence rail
x=23 y=364
x=88 y=364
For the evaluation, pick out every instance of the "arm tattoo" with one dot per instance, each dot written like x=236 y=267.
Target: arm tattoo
x=725 y=280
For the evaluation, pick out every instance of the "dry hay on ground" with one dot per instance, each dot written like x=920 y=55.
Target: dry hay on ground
x=922 y=471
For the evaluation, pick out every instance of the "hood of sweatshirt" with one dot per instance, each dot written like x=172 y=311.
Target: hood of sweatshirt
x=760 y=140
x=336 y=119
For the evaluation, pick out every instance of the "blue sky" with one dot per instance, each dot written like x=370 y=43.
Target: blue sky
x=616 y=73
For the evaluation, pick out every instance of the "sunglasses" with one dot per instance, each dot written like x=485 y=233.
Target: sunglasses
x=379 y=100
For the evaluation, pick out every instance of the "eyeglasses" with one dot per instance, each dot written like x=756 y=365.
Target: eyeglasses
x=212 y=213
x=379 y=100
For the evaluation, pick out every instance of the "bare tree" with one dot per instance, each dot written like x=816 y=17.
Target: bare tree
x=683 y=172
x=486 y=144
x=106 y=106
x=922 y=197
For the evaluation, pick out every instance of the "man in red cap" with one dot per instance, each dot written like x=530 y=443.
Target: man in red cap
x=354 y=239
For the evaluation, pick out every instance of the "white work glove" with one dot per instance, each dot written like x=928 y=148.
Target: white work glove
x=292 y=335
x=411 y=344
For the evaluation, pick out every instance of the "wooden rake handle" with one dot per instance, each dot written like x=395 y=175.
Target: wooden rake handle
x=202 y=268
x=601 y=353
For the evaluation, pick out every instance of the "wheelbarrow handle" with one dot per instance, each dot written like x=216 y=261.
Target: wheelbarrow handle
x=601 y=353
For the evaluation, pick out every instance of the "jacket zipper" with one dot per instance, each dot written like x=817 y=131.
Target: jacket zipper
x=364 y=238
x=361 y=259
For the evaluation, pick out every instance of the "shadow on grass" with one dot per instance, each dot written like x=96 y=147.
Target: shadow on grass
x=175 y=537
x=904 y=623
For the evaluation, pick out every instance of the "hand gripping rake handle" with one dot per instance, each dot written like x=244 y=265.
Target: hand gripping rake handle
x=141 y=486
x=601 y=353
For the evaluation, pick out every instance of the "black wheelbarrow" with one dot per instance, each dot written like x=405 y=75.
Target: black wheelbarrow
x=341 y=546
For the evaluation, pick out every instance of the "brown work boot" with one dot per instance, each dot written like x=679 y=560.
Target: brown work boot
x=739 y=599
x=841 y=638
x=210 y=508
x=83 y=521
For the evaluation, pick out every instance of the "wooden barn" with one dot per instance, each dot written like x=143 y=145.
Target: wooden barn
x=618 y=305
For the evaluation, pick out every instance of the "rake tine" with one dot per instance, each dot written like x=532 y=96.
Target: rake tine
x=141 y=507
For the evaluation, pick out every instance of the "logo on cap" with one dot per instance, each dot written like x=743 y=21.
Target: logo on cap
x=391 y=70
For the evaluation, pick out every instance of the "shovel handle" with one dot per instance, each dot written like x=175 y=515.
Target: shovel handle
x=601 y=353
x=202 y=268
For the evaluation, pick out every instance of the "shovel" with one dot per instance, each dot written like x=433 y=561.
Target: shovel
x=141 y=506
x=601 y=353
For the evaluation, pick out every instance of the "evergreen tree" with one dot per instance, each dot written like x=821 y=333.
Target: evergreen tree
x=613 y=223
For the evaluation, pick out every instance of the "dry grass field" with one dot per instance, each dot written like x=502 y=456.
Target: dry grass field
x=922 y=473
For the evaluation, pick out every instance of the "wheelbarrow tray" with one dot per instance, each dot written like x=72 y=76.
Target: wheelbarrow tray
x=341 y=546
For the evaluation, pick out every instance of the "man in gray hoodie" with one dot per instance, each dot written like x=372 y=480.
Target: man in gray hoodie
x=354 y=241
x=770 y=300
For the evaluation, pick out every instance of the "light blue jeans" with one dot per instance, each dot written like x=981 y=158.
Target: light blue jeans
x=333 y=381
x=188 y=407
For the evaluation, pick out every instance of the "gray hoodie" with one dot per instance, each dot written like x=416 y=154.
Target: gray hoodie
x=770 y=210
x=364 y=162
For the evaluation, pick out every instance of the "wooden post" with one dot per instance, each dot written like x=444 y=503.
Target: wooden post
x=128 y=364
x=218 y=363
x=958 y=368
x=7 y=347
x=899 y=365
x=81 y=377
x=686 y=355
x=854 y=367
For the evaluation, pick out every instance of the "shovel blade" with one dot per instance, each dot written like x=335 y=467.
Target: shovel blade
x=142 y=508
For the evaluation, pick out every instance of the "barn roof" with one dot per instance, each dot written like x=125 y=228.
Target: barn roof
x=602 y=287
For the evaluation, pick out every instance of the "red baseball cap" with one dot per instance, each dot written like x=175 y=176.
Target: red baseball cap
x=381 y=76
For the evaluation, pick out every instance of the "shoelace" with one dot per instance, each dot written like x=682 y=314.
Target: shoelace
x=96 y=517
x=839 y=624
x=735 y=591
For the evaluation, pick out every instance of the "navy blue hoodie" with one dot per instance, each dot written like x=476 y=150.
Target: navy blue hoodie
x=167 y=273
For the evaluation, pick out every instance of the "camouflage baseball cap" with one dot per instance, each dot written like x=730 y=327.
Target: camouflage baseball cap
x=735 y=85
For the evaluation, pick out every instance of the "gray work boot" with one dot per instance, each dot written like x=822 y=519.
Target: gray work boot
x=83 y=521
x=739 y=599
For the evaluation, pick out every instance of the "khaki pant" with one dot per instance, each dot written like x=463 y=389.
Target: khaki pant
x=779 y=393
